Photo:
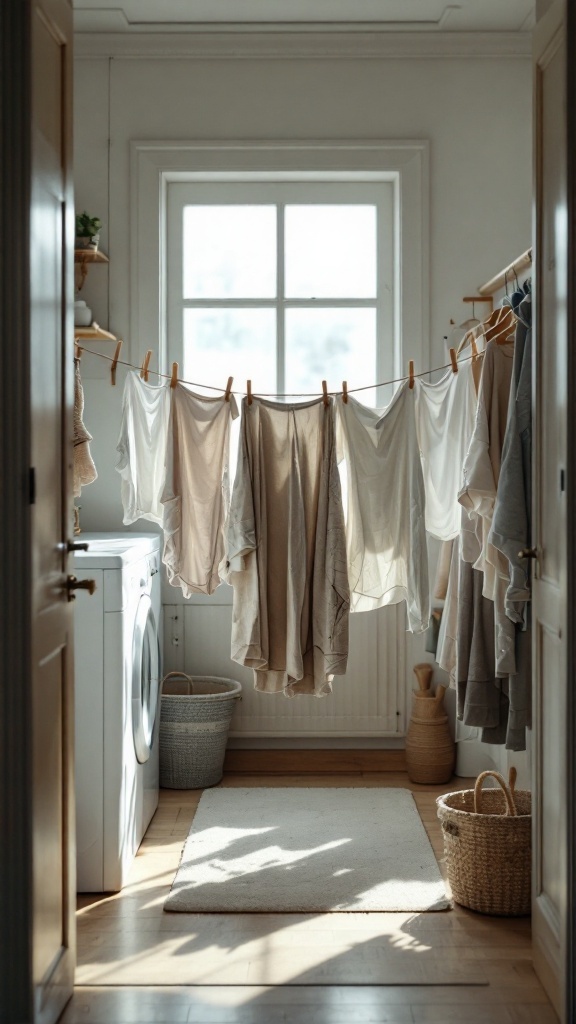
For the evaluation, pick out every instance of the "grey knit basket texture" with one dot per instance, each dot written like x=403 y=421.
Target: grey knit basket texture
x=195 y=716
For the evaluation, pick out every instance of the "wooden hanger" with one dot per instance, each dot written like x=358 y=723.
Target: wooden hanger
x=502 y=326
x=325 y=393
x=145 y=364
x=249 y=391
x=174 y=377
x=411 y=374
x=114 y=363
x=228 y=389
x=345 y=392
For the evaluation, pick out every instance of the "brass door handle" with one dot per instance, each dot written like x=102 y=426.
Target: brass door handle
x=528 y=553
x=74 y=584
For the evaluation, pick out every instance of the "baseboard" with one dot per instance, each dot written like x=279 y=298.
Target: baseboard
x=302 y=762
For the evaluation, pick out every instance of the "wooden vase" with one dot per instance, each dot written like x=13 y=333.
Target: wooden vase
x=430 y=749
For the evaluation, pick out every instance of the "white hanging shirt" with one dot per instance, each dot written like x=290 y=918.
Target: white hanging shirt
x=142 y=448
x=196 y=491
x=385 y=529
x=287 y=549
x=445 y=414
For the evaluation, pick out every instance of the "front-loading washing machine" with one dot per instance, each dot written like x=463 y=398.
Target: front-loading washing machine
x=117 y=694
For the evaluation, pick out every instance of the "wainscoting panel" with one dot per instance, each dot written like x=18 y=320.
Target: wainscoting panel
x=367 y=701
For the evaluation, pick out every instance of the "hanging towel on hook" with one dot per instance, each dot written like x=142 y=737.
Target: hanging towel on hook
x=84 y=470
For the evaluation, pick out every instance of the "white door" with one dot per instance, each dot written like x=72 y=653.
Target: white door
x=549 y=507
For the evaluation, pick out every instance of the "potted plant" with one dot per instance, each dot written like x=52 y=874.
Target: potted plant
x=87 y=231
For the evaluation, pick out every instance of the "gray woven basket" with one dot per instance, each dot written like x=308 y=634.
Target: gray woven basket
x=195 y=717
x=487 y=837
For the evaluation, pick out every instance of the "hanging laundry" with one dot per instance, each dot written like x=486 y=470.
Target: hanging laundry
x=446 y=653
x=83 y=469
x=385 y=532
x=445 y=416
x=510 y=531
x=196 y=490
x=511 y=524
x=286 y=549
x=481 y=475
x=142 y=448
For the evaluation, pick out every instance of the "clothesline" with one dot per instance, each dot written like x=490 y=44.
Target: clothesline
x=272 y=394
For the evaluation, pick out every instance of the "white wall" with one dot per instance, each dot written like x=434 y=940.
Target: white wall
x=474 y=110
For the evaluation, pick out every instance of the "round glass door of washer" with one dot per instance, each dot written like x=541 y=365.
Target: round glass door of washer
x=145 y=678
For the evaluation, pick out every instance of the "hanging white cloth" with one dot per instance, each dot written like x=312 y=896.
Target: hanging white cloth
x=83 y=468
x=445 y=415
x=286 y=549
x=196 y=489
x=142 y=448
x=385 y=532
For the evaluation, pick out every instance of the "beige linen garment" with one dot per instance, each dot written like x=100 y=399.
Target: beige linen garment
x=478 y=494
x=287 y=549
x=196 y=489
x=84 y=470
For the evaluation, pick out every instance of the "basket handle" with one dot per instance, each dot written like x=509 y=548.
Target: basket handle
x=181 y=675
x=510 y=805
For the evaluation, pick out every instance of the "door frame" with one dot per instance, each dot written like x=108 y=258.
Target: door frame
x=570 y=995
x=16 y=994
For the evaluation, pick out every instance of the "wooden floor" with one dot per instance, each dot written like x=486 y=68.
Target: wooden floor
x=130 y=928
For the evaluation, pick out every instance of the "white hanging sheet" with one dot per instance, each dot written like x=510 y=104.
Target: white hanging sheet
x=445 y=415
x=142 y=448
x=385 y=528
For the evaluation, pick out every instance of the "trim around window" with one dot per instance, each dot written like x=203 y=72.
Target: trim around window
x=156 y=164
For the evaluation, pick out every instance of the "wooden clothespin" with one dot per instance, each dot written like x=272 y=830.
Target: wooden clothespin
x=411 y=374
x=228 y=389
x=249 y=391
x=325 y=393
x=453 y=360
x=145 y=364
x=114 y=363
x=174 y=377
x=345 y=392
x=77 y=351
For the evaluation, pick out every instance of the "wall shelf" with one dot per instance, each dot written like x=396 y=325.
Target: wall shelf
x=82 y=257
x=93 y=333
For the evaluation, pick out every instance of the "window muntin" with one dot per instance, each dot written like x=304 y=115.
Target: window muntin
x=307 y=295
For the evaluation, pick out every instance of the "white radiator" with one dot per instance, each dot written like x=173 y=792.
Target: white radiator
x=368 y=701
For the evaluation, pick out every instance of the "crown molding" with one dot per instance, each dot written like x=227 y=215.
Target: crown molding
x=305 y=45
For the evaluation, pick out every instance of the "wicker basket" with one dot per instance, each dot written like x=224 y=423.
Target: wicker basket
x=487 y=846
x=195 y=718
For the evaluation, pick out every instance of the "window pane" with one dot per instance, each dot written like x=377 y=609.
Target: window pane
x=222 y=343
x=229 y=252
x=332 y=345
x=330 y=252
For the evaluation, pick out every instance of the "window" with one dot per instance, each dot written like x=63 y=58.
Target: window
x=284 y=283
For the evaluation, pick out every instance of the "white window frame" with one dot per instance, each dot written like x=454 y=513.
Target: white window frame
x=282 y=191
x=156 y=164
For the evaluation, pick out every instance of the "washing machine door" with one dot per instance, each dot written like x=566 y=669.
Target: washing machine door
x=145 y=678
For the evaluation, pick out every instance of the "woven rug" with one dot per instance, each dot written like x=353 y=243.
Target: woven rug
x=307 y=851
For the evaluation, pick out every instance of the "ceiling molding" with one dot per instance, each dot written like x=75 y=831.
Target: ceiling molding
x=361 y=45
